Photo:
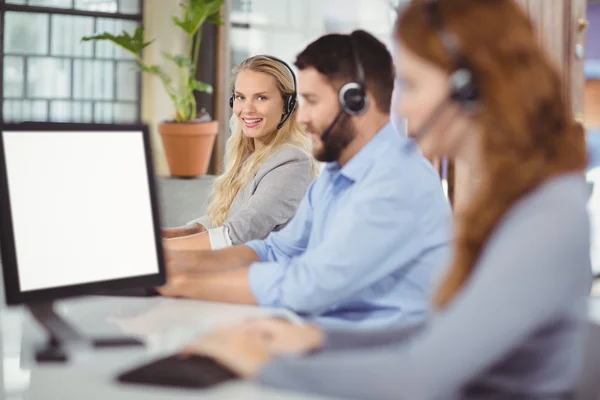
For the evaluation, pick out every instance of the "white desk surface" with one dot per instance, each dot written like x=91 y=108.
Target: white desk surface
x=165 y=325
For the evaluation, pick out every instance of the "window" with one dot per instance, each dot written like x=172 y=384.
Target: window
x=50 y=75
x=282 y=28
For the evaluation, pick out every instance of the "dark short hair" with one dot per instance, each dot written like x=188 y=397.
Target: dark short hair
x=331 y=55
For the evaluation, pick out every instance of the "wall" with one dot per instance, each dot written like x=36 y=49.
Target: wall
x=156 y=104
x=593 y=33
x=592 y=68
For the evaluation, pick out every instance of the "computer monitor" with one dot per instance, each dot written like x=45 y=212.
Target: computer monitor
x=78 y=215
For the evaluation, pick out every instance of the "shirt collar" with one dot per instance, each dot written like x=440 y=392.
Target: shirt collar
x=357 y=167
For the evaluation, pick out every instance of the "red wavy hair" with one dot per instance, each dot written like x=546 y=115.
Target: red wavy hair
x=528 y=131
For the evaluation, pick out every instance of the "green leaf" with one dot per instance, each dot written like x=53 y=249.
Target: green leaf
x=180 y=60
x=134 y=44
x=188 y=26
x=216 y=19
x=196 y=13
x=156 y=70
x=200 y=86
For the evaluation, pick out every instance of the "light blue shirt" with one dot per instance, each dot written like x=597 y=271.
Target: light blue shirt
x=367 y=243
x=397 y=120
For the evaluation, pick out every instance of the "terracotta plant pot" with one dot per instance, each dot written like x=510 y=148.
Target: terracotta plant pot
x=188 y=146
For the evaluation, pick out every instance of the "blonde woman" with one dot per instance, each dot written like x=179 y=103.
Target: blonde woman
x=268 y=162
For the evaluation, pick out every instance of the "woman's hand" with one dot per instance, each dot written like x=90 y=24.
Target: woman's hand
x=235 y=348
x=248 y=347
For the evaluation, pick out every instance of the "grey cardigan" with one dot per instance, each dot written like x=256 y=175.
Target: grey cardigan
x=515 y=330
x=270 y=199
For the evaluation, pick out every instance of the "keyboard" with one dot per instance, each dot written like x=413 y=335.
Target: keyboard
x=179 y=371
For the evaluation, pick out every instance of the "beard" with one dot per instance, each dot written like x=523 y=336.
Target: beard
x=342 y=134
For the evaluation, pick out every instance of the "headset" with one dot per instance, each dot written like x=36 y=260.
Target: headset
x=289 y=100
x=352 y=95
x=463 y=87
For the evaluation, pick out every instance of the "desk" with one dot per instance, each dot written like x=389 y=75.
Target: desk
x=165 y=325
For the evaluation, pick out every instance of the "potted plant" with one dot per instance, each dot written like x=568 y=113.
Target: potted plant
x=189 y=137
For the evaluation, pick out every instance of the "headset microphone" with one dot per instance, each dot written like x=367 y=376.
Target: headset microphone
x=327 y=131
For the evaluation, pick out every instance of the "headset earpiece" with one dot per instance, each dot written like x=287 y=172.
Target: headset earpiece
x=289 y=103
x=463 y=89
x=353 y=98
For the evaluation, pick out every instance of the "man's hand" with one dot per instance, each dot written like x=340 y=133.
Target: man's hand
x=180 y=261
x=215 y=275
x=186 y=230
x=229 y=286
x=236 y=348
x=176 y=286
x=180 y=266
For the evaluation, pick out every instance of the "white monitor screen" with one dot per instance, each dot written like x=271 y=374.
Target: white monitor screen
x=81 y=207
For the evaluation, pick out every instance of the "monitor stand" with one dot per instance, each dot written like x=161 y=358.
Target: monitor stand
x=61 y=334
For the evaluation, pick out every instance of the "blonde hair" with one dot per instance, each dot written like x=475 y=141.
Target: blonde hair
x=242 y=160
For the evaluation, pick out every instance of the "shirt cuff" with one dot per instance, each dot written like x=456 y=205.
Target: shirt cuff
x=259 y=248
x=219 y=238
x=265 y=279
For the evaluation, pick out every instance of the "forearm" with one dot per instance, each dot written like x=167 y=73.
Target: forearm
x=189 y=229
x=197 y=241
x=230 y=286
x=193 y=228
x=372 y=373
x=348 y=339
x=194 y=261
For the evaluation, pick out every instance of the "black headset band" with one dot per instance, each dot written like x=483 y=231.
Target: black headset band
x=295 y=93
x=463 y=87
x=448 y=39
x=288 y=68
x=360 y=72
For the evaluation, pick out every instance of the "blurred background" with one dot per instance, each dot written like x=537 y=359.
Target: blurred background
x=48 y=74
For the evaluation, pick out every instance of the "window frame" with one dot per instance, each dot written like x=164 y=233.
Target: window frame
x=69 y=11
